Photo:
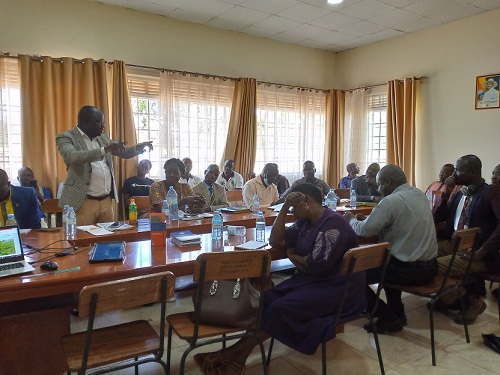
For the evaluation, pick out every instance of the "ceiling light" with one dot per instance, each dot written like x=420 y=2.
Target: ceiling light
x=334 y=1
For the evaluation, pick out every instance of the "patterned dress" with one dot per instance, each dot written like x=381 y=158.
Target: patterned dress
x=297 y=312
x=158 y=192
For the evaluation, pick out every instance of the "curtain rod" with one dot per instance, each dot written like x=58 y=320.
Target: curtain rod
x=422 y=79
x=40 y=58
x=183 y=72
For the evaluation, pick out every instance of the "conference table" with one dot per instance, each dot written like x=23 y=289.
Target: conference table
x=34 y=308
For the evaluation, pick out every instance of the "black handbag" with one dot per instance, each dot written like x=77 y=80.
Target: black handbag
x=230 y=303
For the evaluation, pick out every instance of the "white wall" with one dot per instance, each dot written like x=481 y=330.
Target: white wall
x=451 y=55
x=83 y=28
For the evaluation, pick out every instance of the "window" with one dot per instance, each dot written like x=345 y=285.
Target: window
x=377 y=129
x=185 y=115
x=10 y=112
x=290 y=129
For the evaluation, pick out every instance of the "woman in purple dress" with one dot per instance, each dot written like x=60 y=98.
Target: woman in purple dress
x=298 y=311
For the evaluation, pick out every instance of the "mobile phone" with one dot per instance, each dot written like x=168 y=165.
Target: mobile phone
x=32 y=183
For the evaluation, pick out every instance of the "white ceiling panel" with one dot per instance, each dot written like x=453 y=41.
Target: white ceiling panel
x=315 y=23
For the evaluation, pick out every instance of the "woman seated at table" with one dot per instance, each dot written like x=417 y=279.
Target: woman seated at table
x=297 y=312
x=174 y=169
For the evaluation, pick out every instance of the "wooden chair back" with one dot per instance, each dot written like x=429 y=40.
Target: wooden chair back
x=343 y=193
x=140 y=201
x=234 y=196
x=124 y=294
x=50 y=206
x=365 y=257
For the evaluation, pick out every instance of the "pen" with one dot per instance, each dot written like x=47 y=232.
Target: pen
x=52 y=272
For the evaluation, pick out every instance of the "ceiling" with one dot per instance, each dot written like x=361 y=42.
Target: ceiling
x=314 y=23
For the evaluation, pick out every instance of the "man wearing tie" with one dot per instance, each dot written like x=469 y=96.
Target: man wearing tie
x=214 y=193
x=90 y=183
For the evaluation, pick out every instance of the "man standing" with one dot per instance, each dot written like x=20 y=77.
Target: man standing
x=366 y=185
x=20 y=201
x=262 y=185
x=308 y=169
x=230 y=179
x=477 y=204
x=187 y=177
x=352 y=173
x=404 y=219
x=214 y=193
x=90 y=181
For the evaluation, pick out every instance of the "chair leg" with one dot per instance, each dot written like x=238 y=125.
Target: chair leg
x=169 y=347
x=136 y=367
x=263 y=356
x=431 y=325
x=323 y=357
x=379 y=353
x=462 y=311
x=271 y=342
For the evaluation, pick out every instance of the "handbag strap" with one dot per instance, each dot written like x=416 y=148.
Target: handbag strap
x=236 y=288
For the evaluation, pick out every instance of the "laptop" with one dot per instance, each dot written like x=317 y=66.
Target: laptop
x=11 y=252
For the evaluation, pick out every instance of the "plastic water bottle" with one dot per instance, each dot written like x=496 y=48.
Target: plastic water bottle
x=173 y=204
x=331 y=200
x=164 y=209
x=255 y=204
x=260 y=227
x=217 y=223
x=71 y=223
x=353 y=199
x=64 y=216
x=132 y=212
x=11 y=220
x=429 y=197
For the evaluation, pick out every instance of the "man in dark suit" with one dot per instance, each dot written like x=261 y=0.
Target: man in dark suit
x=90 y=182
x=477 y=204
x=20 y=201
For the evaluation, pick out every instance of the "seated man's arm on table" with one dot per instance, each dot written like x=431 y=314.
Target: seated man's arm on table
x=372 y=225
x=248 y=193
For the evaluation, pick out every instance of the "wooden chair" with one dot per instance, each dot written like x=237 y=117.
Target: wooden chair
x=234 y=196
x=118 y=343
x=219 y=266
x=50 y=206
x=343 y=193
x=140 y=201
x=462 y=241
x=355 y=260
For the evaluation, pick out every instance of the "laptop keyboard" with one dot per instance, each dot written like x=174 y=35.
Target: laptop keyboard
x=11 y=266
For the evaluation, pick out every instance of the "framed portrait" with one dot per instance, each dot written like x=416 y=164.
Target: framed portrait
x=487 y=91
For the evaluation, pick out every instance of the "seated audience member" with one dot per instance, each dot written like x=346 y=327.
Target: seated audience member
x=404 y=219
x=174 y=169
x=262 y=185
x=230 y=179
x=281 y=183
x=495 y=180
x=20 y=201
x=445 y=172
x=366 y=185
x=352 y=173
x=214 y=193
x=187 y=177
x=309 y=170
x=297 y=310
x=137 y=185
x=477 y=204
x=26 y=178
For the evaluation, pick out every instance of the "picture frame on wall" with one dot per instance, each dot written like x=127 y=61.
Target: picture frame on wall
x=487 y=91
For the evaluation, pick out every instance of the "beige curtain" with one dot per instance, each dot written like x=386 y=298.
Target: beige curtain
x=121 y=126
x=401 y=109
x=241 y=140
x=334 y=133
x=356 y=129
x=52 y=93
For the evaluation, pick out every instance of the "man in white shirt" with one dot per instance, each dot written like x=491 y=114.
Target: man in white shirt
x=262 y=185
x=230 y=179
x=90 y=182
x=188 y=178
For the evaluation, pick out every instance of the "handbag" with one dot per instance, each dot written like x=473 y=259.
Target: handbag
x=230 y=303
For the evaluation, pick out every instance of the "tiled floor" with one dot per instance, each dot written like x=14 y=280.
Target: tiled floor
x=353 y=352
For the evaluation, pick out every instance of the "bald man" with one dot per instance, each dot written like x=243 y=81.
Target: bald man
x=404 y=219
x=352 y=173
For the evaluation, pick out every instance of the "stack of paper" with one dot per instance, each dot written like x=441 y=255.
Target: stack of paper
x=251 y=245
x=235 y=209
x=185 y=238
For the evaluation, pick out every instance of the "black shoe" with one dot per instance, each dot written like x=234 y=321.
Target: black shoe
x=403 y=320
x=492 y=342
x=383 y=326
x=494 y=293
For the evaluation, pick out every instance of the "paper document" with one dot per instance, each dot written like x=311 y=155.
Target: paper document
x=251 y=245
x=92 y=229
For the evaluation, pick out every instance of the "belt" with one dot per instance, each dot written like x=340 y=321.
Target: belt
x=419 y=263
x=102 y=197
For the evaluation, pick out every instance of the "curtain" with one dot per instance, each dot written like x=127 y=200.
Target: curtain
x=401 y=109
x=121 y=126
x=10 y=122
x=52 y=93
x=334 y=137
x=194 y=117
x=356 y=129
x=290 y=129
x=242 y=134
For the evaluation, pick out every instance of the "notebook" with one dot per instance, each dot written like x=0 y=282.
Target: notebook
x=11 y=252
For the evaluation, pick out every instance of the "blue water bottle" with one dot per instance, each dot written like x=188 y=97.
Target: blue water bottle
x=165 y=209
x=331 y=200
x=255 y=204
x=353 y=199
x=217 y=223
x=260 y=227
x=71 y=224
x=173 y=204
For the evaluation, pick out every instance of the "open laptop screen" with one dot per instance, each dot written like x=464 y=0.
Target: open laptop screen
x=11 y=248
